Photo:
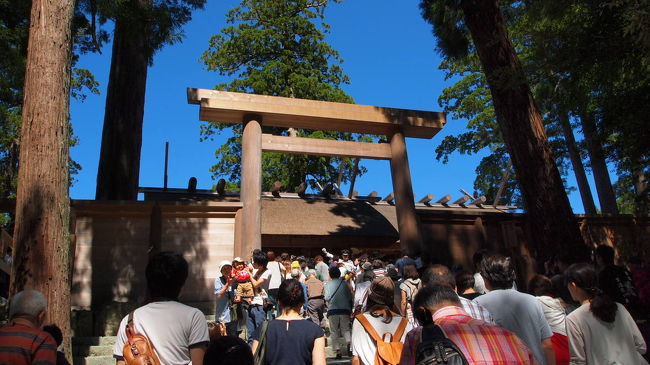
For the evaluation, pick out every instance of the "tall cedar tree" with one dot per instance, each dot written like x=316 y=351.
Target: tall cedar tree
x=14 y=25
x=141 y=28
x=552 y=223
x=275 y=47
x=41 y=235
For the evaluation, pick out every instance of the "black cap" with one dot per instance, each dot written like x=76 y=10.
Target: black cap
x=345 y=252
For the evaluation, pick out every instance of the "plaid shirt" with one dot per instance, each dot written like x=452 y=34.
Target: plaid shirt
x=480 y=342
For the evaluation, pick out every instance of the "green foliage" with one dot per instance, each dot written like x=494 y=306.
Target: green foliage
x=589 y=59
x=163 y=20
x=277 y=47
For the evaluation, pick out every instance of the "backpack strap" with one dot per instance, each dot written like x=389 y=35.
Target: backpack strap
x=397 y=337
x=432 y=333
x=368 y=327
x=130 y=328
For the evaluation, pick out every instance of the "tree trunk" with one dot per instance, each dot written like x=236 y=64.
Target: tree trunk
x=578 y=167
x=553 y=225
x=119 y=161
x=641 y=192
x=598 y=165
x=41 y=233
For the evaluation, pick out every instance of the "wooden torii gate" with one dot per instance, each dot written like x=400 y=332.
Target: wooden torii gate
x=254 y=110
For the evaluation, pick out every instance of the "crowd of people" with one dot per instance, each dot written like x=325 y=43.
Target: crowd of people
x=283 y=309
x=582 y=313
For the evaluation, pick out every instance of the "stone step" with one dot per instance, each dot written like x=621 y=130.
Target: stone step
x=94 y=341
x=342 y=361
x=93 y=360
x=93 y=350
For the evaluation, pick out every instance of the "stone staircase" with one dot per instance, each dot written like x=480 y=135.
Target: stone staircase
x=93 y=350
x=99 y=350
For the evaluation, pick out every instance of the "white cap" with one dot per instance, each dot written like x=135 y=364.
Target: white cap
x=238 y=259
x=224 y=263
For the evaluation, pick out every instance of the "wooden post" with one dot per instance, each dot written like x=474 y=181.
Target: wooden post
x=251 y=185
x=238 y=250
x=407 y=222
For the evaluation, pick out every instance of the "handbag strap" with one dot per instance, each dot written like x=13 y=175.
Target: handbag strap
x=336 y=290
x=261 y=346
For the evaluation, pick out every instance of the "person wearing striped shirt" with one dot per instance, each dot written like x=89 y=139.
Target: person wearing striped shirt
x=22 y=342
x=441 y=275
x=480 y=342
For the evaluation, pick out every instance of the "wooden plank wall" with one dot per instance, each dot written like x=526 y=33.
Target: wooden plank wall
x=112 y=252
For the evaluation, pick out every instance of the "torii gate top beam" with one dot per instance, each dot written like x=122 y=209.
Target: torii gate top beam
x=230 y=107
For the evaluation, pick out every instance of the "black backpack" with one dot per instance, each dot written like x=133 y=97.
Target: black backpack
x=435 y=348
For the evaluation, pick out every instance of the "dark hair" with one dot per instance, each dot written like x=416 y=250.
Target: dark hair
x=584 y=276
x=410 y=272
x=270 y=255
x=56 y=333
x=368 y=275
x=291 y=294
x=260 y=258
x=606 y=254
x=541 y=285
x=464 y=280
x=478 y=257
x=334 y=272
x=228 y=350
x=318 y=258
x=430 y=297
x=377 y=264
x=438 y=275
x=499 y=270
x=166 y=273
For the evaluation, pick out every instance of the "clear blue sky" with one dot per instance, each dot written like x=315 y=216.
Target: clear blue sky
x=388 y=52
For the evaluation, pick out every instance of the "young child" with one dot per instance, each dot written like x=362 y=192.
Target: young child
x=244 y=284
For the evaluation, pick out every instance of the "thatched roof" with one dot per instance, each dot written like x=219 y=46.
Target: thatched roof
x=322 y=218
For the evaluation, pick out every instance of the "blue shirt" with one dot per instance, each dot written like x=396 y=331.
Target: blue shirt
x=222 y=311
x=401 y=262
x=338 y=296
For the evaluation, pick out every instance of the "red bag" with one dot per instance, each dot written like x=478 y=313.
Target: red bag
x=138 y=350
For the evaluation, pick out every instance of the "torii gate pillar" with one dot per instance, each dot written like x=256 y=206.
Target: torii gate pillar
x=407 y=221
x=251 y=187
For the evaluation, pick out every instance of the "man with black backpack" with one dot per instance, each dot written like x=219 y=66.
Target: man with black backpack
x=451 y=336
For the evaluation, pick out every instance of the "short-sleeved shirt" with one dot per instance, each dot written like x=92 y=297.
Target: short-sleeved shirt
x=262 y=291
x=479 y=341
x=20 y=345
x=277 y=270
x=323 y=271
x=289 y=342
x=339 y=297
x=171 y=327
x=315 y=288
x=519 y=313
x=222 y=311
x=363 y=345
x=401 y=262
x=593 y=341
